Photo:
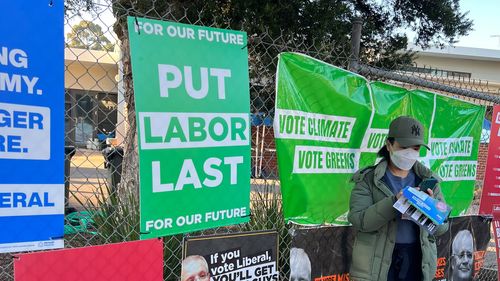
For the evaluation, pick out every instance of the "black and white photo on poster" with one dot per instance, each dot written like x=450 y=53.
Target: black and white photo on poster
x=248 y=256
x=324 y=253
x=321 y=254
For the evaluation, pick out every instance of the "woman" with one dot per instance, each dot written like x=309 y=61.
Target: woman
x=387 y=246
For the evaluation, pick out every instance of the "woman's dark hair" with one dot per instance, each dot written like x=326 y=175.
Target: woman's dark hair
x=383 y=152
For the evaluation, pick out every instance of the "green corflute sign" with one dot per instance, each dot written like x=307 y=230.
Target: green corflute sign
x=330 y=122
x=192 y=106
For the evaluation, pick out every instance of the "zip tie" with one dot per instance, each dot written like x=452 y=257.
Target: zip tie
x=137 y=24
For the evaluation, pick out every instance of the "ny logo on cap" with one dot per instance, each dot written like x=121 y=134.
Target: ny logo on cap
x=415 y=130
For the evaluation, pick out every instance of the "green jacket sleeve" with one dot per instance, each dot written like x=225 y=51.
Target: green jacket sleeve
x=364 y=214
x=441 y=229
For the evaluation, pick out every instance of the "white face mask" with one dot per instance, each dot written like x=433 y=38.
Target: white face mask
x=404 y=159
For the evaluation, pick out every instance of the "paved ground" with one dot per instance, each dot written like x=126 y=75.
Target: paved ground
x=87 y=174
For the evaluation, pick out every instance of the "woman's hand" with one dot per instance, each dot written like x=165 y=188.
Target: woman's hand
x=429 y=191
x=399 y=195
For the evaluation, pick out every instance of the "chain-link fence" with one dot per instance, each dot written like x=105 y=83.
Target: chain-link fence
x=100 y=117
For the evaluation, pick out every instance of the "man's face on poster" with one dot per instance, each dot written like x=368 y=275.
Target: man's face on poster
x=462 y=256
x=300 y=265
x=195 y=268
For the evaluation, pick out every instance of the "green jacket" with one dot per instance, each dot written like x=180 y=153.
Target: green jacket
x=373 y=217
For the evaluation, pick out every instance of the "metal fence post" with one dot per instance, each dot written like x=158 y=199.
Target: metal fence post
x=357 y=23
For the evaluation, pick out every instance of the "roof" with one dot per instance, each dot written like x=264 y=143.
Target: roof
x=91 y=56
x=459 y=53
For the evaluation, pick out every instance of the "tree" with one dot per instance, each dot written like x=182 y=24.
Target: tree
x=316 y=24
x=88 y=35
x=435 y=22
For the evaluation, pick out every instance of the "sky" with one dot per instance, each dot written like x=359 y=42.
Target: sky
x=486 y=17
x=104 y=17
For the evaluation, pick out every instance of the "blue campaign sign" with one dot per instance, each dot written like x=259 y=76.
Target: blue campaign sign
x=31 y=125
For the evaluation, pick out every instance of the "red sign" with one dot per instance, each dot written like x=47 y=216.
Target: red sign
x=137 y=260
x=496 y=232
x=491 y=186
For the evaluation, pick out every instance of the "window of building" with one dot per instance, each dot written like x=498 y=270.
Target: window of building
x=437 y=72
x=89 y=115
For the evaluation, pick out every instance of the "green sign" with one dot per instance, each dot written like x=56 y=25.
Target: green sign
x=192 y=106
x=330 y=122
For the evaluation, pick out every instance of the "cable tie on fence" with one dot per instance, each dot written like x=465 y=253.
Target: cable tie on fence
x=149 y=232
x=15 y=257
x=57 y=237
x=246 y=45
x=137 y=24
x=487 y=218
x=246 y=216
x=51 y=3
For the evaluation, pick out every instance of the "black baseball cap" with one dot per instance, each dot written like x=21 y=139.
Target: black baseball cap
x=407 y=132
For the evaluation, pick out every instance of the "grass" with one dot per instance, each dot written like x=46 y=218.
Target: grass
x=115 y=216
x=266 y=214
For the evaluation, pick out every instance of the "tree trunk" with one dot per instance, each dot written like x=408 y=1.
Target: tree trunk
x=122 y=9
x=130 y=165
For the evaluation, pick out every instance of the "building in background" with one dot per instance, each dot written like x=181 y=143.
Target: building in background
x=91 y=96
x=478 y=67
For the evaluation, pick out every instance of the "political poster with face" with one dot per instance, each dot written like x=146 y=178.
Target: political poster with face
x=248 y=256
x=324 y=254
x=31 y=125
x=461 y=250
x=192 y=104
x=321 y=254
x=329 y=123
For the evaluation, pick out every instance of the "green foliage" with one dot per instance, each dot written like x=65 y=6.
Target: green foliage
x=172 y=256
x=75 y=6
x=312 y=23
x=267 y=213
x=115 y=216
x=320 y=28
x=88 y=35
